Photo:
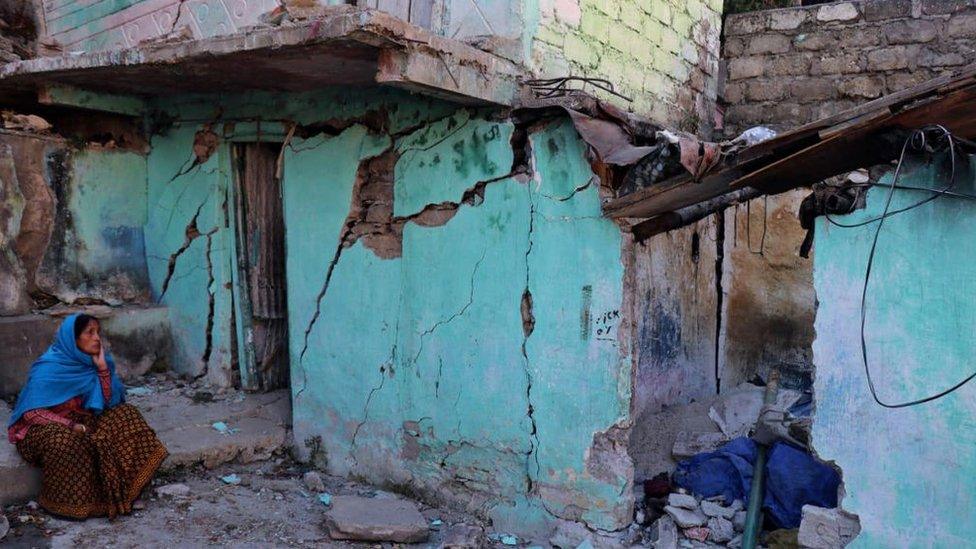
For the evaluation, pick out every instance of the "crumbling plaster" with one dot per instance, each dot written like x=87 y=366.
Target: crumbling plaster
x=439 y=342
x=919 y=339
x=72 y=224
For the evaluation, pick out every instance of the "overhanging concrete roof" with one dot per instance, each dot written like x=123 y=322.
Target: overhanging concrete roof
x=345 y=46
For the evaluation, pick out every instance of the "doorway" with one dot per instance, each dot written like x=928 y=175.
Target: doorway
x=260 y=250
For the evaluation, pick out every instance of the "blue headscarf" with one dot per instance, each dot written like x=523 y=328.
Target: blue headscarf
x=64 y=372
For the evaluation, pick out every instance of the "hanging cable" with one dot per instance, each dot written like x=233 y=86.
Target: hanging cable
x=930 y=139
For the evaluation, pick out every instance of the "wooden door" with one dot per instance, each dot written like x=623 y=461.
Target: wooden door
x=261 y=266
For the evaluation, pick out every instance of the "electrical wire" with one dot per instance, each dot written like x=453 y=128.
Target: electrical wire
x=918 y=141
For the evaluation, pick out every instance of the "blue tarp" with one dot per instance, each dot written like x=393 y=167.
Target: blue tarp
x=793 y=478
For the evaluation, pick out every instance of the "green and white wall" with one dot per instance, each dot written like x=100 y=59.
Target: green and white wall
x=907 y=472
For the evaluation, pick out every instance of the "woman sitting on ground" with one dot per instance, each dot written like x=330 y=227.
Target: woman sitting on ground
x=96 y=453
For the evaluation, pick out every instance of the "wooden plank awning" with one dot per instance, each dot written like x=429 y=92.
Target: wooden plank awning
x=816 y=151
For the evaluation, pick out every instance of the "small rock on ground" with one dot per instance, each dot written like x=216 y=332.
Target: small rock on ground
x=176 y=490
x=686 y=518
x=463 y=536
x=720 y=529
x=4 y=526
x=313 y=481
x=684 y=501
x=664 y=533
x=713 y=509
x=374 y=519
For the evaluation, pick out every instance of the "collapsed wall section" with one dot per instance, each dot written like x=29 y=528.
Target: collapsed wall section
x=787 y=67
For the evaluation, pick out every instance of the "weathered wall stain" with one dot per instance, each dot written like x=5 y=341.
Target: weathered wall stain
x=72 y=224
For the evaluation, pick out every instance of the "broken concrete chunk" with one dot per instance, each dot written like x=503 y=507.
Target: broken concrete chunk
x=664 y=533
x=739 y=521
x=4 y=526
x=368 y=519
x=686 y=518
x=690 y=444
x=737 y=411
x=684 y=501
x=313 y=481
x=822 y=528
x=173 y=491
x=697 y=534
x=720 y=529
x=713 y=509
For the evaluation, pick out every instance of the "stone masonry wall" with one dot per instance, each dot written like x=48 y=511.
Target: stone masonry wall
x=795 y=65
x=661 y=53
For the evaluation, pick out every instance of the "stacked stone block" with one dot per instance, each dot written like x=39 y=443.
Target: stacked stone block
x=794 y=65
x=661 y=53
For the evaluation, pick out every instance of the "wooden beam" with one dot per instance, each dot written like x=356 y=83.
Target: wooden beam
x=848 y=145
x=688 y=215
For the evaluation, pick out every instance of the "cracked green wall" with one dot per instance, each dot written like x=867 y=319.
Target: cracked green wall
x=418 y=370
x=919 y=334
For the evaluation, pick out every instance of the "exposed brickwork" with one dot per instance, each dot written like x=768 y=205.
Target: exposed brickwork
x=661 y=53
x=790 y=66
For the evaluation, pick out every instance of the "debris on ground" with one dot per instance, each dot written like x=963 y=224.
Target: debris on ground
x=270 y=508
x=464 y=536
x=231 y=479
x=137 y=391
x=4 y=526
x=326 y=499
x=222 y=428
x=367 y=519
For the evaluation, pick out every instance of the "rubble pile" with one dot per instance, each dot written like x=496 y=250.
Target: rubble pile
x=667 y=518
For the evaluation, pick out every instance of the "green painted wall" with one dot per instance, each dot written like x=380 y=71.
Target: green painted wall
x=187 y=230
x=419 y=370
x=907 y=472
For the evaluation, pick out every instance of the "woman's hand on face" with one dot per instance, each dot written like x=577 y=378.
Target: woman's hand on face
x=100 y=361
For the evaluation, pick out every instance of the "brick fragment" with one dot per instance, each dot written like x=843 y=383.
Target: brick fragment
x=746 y=67
x=892 y=58
x=883 y=10
x=844 y=11
x=910 y=31
x=862 y=86
x=812 y=89
x=838 y=63
x=746 y=23
x=768 y=43
x=787 y=19
x=962 y=26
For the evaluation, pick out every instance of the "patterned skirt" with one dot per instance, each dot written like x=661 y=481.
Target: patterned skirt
x=97 y=473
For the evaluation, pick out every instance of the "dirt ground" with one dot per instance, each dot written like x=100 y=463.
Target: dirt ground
x=270 y=507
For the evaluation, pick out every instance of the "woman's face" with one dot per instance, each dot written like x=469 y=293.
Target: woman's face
x=90 y=340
